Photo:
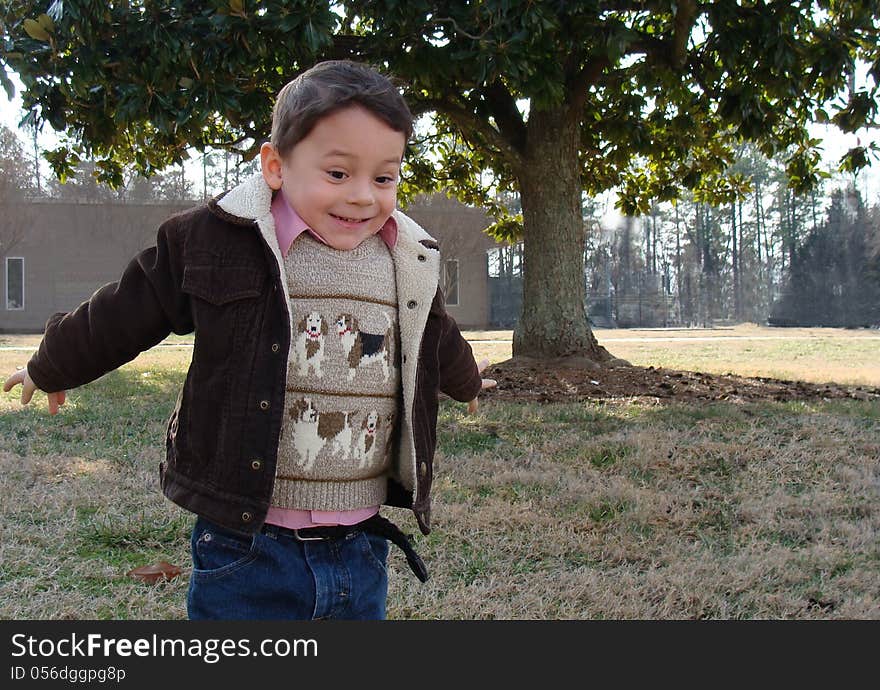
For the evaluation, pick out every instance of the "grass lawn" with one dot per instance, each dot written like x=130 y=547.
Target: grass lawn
x=817 y=355
x=588 y=510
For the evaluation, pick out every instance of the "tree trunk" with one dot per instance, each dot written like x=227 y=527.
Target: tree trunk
x=735 y=262
x=553 y=323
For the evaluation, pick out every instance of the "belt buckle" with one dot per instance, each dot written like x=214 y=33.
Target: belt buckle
x=298 y=537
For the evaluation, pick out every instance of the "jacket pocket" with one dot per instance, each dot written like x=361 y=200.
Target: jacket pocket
x=227 y=308
x=220 y=284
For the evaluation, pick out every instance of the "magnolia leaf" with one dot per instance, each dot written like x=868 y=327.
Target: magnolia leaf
x=36 y=31
x=157 y=572
x=46 y=22
x=7 y=84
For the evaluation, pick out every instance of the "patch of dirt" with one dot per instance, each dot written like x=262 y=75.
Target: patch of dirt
x=571 y=381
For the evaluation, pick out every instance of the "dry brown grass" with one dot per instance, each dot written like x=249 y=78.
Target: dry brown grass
x=817 y=355
x=73 y=527
x=588 y=510
x=753 y=513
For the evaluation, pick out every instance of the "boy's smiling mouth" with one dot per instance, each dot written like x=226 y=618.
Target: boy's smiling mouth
x=349 y=220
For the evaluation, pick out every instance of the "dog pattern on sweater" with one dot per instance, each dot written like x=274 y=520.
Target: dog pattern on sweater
x=314 y=431
x=329 y=429
x=365 y=348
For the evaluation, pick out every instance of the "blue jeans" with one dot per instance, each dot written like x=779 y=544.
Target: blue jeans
x=272 y=575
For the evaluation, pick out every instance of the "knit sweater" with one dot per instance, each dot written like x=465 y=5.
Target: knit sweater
x=343 y=377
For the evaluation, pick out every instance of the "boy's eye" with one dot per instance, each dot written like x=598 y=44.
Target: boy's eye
x=336 y=174
x=384 y=179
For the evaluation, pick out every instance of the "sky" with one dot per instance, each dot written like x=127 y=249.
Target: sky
x=835 y=144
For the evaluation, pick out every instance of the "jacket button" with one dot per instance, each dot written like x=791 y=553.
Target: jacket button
x=423 y=469
x=246 y=517
x=422 y=257
x=264 y=404
x=412 y=304
x=256 y=465
x=275 y=347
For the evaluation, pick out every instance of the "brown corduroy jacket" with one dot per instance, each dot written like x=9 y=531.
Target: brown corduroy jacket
x=217 y=271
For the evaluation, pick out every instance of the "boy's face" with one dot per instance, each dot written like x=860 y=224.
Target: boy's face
x=342 y=178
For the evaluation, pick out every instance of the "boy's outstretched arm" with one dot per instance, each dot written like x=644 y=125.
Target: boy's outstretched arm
x=28 y=387
x=117 y=323
x=459 y=372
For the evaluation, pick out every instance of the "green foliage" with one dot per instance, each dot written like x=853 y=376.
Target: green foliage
x=135 y=84
x=654 y=97
x=662 y=94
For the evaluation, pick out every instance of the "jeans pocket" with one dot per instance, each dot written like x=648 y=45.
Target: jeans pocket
x=375 y=551
x=217 y=551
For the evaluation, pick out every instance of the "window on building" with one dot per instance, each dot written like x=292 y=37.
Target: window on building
x=14 y=282
x=450 y=282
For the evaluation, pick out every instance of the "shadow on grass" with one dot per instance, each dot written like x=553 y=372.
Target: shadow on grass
x=116 y=417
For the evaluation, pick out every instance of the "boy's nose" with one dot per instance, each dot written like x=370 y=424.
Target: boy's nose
x=361 y=193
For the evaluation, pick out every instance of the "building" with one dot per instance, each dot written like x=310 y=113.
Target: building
x=62 y=251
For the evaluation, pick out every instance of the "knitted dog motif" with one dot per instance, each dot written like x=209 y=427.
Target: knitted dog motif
x=365 y=348
x=366 y=441
x=334 y=428
x=307 y=440
x=309 y=343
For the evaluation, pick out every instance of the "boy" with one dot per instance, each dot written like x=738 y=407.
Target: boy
x=321 y=340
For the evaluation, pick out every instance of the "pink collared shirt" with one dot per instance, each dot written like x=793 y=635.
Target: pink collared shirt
x=289 y=226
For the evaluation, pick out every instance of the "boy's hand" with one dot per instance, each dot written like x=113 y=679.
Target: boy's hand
x=28 y=387
x=473 y=405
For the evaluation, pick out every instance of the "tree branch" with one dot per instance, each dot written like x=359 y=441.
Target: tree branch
x=579 y=84
x=469 y=123
x=450 y=20
x=502 y=106
x=685 y=17
x=673 y=51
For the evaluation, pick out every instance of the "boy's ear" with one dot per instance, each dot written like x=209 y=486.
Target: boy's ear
x=270 y=163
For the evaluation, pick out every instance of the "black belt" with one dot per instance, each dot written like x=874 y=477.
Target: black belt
x=377 y=525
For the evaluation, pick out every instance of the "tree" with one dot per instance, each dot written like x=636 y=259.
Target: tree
x=15 y=184
x=170 y=185
x=81 y=184
x=549 y=98
x=834 y=280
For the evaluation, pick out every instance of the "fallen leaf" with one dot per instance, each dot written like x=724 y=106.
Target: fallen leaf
x=155 y=572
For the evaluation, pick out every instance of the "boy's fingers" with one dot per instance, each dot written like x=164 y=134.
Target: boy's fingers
x=13 y=380
x=28 y=388
x=472 y=406
x=27 y=392
x=489 y=383
x=482 y=365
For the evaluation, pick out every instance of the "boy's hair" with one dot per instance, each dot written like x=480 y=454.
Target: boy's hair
x=331 y=86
